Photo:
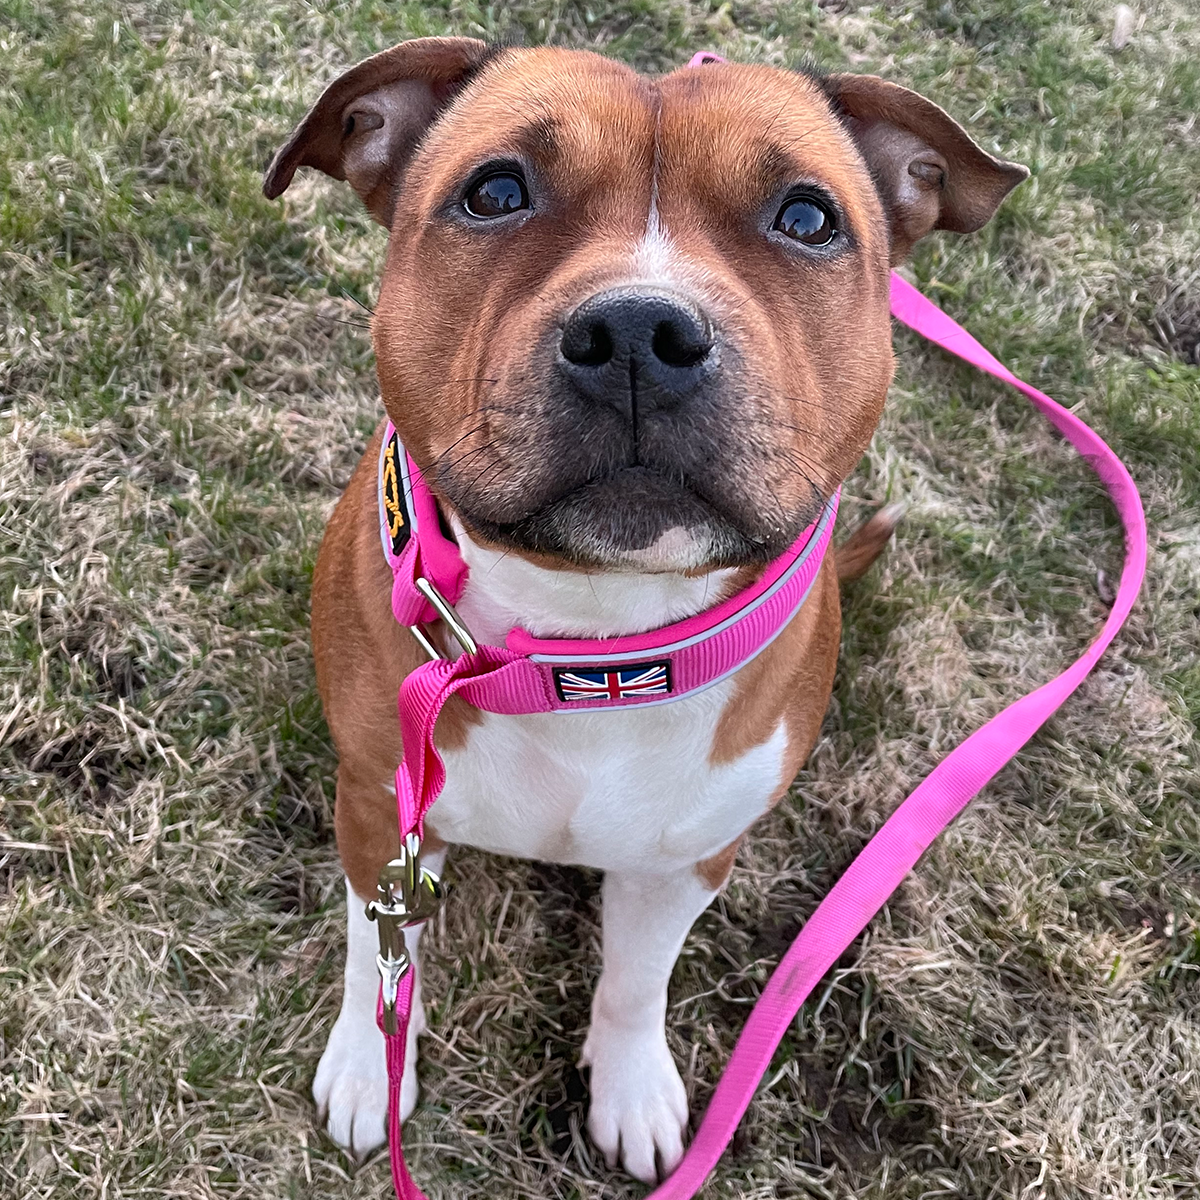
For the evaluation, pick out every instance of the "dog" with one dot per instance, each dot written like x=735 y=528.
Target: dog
x=634 y=333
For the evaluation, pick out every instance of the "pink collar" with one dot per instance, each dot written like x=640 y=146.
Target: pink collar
x=553 y=674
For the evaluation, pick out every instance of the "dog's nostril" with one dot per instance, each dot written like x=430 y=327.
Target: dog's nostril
x=587 y=345
x=680 y=345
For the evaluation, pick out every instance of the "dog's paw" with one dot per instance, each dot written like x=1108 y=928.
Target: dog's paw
x=639 y=1109
x=351 y=1084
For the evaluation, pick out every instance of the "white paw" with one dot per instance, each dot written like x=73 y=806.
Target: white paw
x=351 y=1084
x=639 y=1109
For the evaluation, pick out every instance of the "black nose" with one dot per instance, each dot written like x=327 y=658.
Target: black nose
x=637 y=349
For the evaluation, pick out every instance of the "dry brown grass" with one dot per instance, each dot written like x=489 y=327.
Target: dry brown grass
x=185 y=386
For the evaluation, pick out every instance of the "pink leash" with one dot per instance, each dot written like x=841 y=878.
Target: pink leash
x=876 y=873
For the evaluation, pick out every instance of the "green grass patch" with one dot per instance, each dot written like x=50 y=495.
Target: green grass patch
x=185 y=385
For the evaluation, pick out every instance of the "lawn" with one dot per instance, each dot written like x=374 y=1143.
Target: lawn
x=186 y=381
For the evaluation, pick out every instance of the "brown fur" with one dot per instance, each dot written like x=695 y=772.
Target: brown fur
x=856 y=554
x=714 y=871
x=790 y=680
x=810 y=396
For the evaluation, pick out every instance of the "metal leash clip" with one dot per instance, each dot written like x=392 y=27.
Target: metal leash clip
x=445 y=610
x=408 y=894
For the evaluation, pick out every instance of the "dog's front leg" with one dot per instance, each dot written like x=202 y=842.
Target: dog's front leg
x=638 y=1104
x=350 y=1087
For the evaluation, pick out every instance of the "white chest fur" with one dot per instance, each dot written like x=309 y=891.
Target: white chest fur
x=620 y=788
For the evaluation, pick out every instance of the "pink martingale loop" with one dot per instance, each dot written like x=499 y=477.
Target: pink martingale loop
x=878 y=870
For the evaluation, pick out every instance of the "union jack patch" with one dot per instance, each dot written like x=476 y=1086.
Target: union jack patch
x=621 y=683
x=395 y=515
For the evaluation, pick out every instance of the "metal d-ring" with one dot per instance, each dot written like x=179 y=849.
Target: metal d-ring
x=445 y=610
x=425 y=644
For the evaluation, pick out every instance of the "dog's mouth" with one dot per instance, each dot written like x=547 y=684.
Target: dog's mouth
x=636 y=517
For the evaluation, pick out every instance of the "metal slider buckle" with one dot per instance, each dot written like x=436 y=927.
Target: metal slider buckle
x=445 y=610
x=408 y=894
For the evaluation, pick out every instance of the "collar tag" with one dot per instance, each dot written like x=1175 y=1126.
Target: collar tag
x=397 y=522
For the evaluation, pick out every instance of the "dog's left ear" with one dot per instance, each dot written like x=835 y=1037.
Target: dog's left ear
x=929 y=172
x=368 y=122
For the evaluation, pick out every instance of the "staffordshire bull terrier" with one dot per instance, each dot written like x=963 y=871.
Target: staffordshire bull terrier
x=633 y=334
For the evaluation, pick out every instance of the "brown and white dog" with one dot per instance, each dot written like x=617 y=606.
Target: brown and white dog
x=634 y=332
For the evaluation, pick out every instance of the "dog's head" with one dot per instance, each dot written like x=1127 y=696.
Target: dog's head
x=628 y=322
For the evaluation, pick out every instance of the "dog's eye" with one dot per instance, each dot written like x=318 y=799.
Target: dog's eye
x=496 y=196
x=806 y=221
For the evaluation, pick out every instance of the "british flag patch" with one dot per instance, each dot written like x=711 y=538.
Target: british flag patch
x=621 y=683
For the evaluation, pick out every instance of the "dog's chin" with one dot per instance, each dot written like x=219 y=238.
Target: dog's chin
x=635 y=520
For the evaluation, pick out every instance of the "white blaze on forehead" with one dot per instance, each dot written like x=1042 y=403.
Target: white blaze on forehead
x=656 y=258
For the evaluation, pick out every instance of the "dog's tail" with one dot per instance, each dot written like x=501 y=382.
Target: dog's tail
x=866 y=543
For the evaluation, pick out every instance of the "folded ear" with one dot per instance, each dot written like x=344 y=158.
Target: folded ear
x=929 y=172
x=368 y=122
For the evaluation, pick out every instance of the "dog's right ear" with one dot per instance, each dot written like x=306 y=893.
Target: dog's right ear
x=368 y=122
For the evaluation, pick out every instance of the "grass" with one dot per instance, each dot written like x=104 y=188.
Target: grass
x=185 y=384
